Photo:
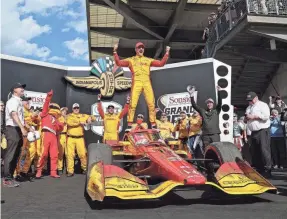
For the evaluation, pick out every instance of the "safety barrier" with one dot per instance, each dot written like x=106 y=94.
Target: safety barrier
x=235 y=11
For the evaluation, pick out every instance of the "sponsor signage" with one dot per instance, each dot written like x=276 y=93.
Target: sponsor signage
x=37 y=99
x=105 y=76
x=173 y=104
x=98 y=126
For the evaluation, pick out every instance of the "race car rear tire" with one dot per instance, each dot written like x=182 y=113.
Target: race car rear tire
x=220 y=153
x=96 y=152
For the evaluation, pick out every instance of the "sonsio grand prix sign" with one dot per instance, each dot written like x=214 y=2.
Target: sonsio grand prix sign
x=105 y=76
x=37 y=99
x=98 y=126
x=173 y=104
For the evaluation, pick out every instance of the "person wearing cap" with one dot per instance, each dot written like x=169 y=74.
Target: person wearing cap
x=75 y=138
x=62 y=144
x=140 y=124
x=195 y=123
x=182 y=127
x=29 y=149
x=279 y=105
x=257 y=116
x=14 y=133
x=50 y=126
x=210 y=118
x=140 y=68
x=112 y=120
x=165 y=127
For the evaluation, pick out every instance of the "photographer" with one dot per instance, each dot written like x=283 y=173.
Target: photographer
x=210 y=118
x=277 y=140
x=279 y=105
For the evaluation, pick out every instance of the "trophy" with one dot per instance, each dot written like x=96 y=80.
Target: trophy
x=191 y=90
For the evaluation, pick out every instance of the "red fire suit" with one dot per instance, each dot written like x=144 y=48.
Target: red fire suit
x=140 y=68
x=50 y=127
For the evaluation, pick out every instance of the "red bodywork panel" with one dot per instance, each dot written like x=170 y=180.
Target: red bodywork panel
x=164 y=162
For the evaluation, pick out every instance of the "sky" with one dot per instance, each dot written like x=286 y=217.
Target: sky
x=52 y=31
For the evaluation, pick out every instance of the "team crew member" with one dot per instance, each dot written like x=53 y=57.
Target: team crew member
x=182 y=126
x=62 y=140
x=75 y=138
x=257 y=116
x=140 y=68
x=50 y=128
x=195 y=123
x=210 y=119
x=28 y=151
x=165 y=127
x=140 y=124
x=15 y=131
x=3 y=139
x=112 y=120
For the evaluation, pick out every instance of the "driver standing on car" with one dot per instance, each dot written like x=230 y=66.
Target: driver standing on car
x=140 y=124
x=112 y=120
x=182 y=126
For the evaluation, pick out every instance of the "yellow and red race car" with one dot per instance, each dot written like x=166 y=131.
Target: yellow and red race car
x=142 y=166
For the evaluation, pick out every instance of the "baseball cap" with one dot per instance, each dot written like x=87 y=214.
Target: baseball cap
x=64 y=108
x=140 y=115
x=209 y=100
x=111 y=106
x=17 y=85
x=24 y=98
x=251 y=95
x=139 y=44
x=75 y=105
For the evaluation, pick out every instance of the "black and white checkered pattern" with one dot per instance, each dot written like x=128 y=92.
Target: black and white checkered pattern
x=110 y=63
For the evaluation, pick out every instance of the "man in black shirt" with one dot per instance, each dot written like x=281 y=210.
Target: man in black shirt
x=210 y=118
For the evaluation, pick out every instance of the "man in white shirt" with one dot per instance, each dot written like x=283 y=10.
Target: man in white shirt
x=15 y=131
x=258 y=122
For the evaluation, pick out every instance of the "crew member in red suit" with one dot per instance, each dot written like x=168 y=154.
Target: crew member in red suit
x=140 y=65
x=50 y=127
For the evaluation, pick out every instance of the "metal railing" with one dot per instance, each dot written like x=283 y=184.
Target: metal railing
x=234 y=12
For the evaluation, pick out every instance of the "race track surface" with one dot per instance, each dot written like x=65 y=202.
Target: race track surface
x=64 y=199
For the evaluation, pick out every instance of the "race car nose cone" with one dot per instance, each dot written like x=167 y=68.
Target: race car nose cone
x=195 y=180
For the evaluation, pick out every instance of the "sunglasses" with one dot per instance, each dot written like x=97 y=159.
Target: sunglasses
x=140 y=47
x=76 y=108
x=140 y=117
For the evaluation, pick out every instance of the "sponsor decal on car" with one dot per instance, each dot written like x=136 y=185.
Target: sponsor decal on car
x=98 y=126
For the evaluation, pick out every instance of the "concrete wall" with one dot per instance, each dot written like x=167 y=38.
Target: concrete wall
x=280 y=84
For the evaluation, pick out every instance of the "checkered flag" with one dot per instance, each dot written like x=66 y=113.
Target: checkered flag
x=110 y=64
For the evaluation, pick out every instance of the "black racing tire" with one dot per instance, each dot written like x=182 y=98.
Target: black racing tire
x=220 y=153
x=96 y=152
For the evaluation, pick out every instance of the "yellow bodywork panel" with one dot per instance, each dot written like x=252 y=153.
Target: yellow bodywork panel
x=124 y=188
x=159 y=191
x=115 y=153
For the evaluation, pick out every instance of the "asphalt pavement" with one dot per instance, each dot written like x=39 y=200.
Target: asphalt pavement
x=64 y=199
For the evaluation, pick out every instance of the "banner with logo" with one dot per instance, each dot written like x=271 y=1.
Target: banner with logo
x=173 y=104
x=37 y=100
x=98 y=126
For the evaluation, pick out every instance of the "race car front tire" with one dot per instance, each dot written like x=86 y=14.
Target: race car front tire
x=218 y=153
x=96 y=152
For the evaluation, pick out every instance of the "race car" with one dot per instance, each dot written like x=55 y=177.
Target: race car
x=142 y=166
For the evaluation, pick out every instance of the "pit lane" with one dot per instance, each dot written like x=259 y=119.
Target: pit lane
x=64 y=198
